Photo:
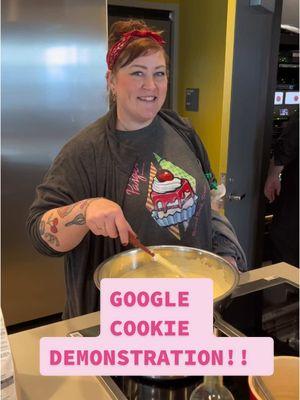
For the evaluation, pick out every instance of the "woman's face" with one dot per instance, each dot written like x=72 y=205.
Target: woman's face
x=140 y=89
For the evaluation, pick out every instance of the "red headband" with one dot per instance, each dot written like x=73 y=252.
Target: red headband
x=117 y=48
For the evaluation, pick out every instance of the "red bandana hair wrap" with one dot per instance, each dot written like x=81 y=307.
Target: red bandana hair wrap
x=118 y=47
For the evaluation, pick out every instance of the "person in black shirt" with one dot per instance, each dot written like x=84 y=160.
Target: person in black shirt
x=282 y=188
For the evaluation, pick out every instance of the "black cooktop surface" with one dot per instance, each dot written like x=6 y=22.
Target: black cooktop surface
x=272 y=311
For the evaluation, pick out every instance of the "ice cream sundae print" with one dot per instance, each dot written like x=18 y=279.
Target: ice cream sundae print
x=171 y=196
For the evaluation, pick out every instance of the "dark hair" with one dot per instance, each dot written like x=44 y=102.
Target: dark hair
x=136 y=48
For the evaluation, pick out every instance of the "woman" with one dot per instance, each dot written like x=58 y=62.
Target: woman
x=137 y=170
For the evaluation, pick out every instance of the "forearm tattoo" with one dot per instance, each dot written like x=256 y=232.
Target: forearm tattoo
x=78 y=220
x=52 y=222
x=51 y=239
x=62 y=212
x=84 y=203
x=65 y=211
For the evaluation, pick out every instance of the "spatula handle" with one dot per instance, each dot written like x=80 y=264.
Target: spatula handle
x=134 y=241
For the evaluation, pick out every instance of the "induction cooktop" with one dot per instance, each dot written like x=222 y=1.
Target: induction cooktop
x=267 y=307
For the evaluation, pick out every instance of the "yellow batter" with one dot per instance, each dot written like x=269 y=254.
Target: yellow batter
x=222 y=277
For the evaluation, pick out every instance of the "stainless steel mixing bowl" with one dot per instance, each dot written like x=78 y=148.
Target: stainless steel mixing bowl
x=120 y=264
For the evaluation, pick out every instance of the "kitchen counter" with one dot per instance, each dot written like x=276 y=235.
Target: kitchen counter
x=25 y=349
x=31 y=385
x=282 y=270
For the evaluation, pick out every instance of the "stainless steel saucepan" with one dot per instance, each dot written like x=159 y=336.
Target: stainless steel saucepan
x=133 y=262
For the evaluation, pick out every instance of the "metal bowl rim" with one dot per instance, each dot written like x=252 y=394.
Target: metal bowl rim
x=181 y=248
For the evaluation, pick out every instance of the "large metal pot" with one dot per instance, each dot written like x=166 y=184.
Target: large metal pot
x=120 y=264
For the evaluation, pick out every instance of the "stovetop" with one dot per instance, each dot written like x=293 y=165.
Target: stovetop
x=143 y=388
x=272 y=310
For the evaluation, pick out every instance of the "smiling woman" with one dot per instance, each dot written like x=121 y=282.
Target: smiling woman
x=137 y=170
x=140 y=89
x=137 y=75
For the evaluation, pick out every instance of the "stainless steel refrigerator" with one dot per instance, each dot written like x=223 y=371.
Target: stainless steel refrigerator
x=53 y=84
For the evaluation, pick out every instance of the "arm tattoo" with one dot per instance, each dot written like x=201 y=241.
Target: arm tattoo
x=64 y=211
x=51 y=239
x=84 y=203
x=53 y=223
x=78 y=220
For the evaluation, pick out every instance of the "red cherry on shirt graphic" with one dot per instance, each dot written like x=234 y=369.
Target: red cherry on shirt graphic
x=164 y=175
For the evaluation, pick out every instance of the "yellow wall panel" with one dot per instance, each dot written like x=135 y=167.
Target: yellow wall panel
x=227 y=85
x=203 y=30
x=206 y=37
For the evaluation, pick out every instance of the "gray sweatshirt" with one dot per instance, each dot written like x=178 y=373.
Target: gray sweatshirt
x=96 y=163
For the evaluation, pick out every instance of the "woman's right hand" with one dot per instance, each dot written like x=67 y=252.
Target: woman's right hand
x=105 y=217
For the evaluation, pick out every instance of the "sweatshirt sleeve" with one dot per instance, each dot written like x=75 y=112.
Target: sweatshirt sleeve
x=225 y=242
x=66 y=182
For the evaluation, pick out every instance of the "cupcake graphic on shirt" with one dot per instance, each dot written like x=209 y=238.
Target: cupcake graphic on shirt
x=173 y=199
